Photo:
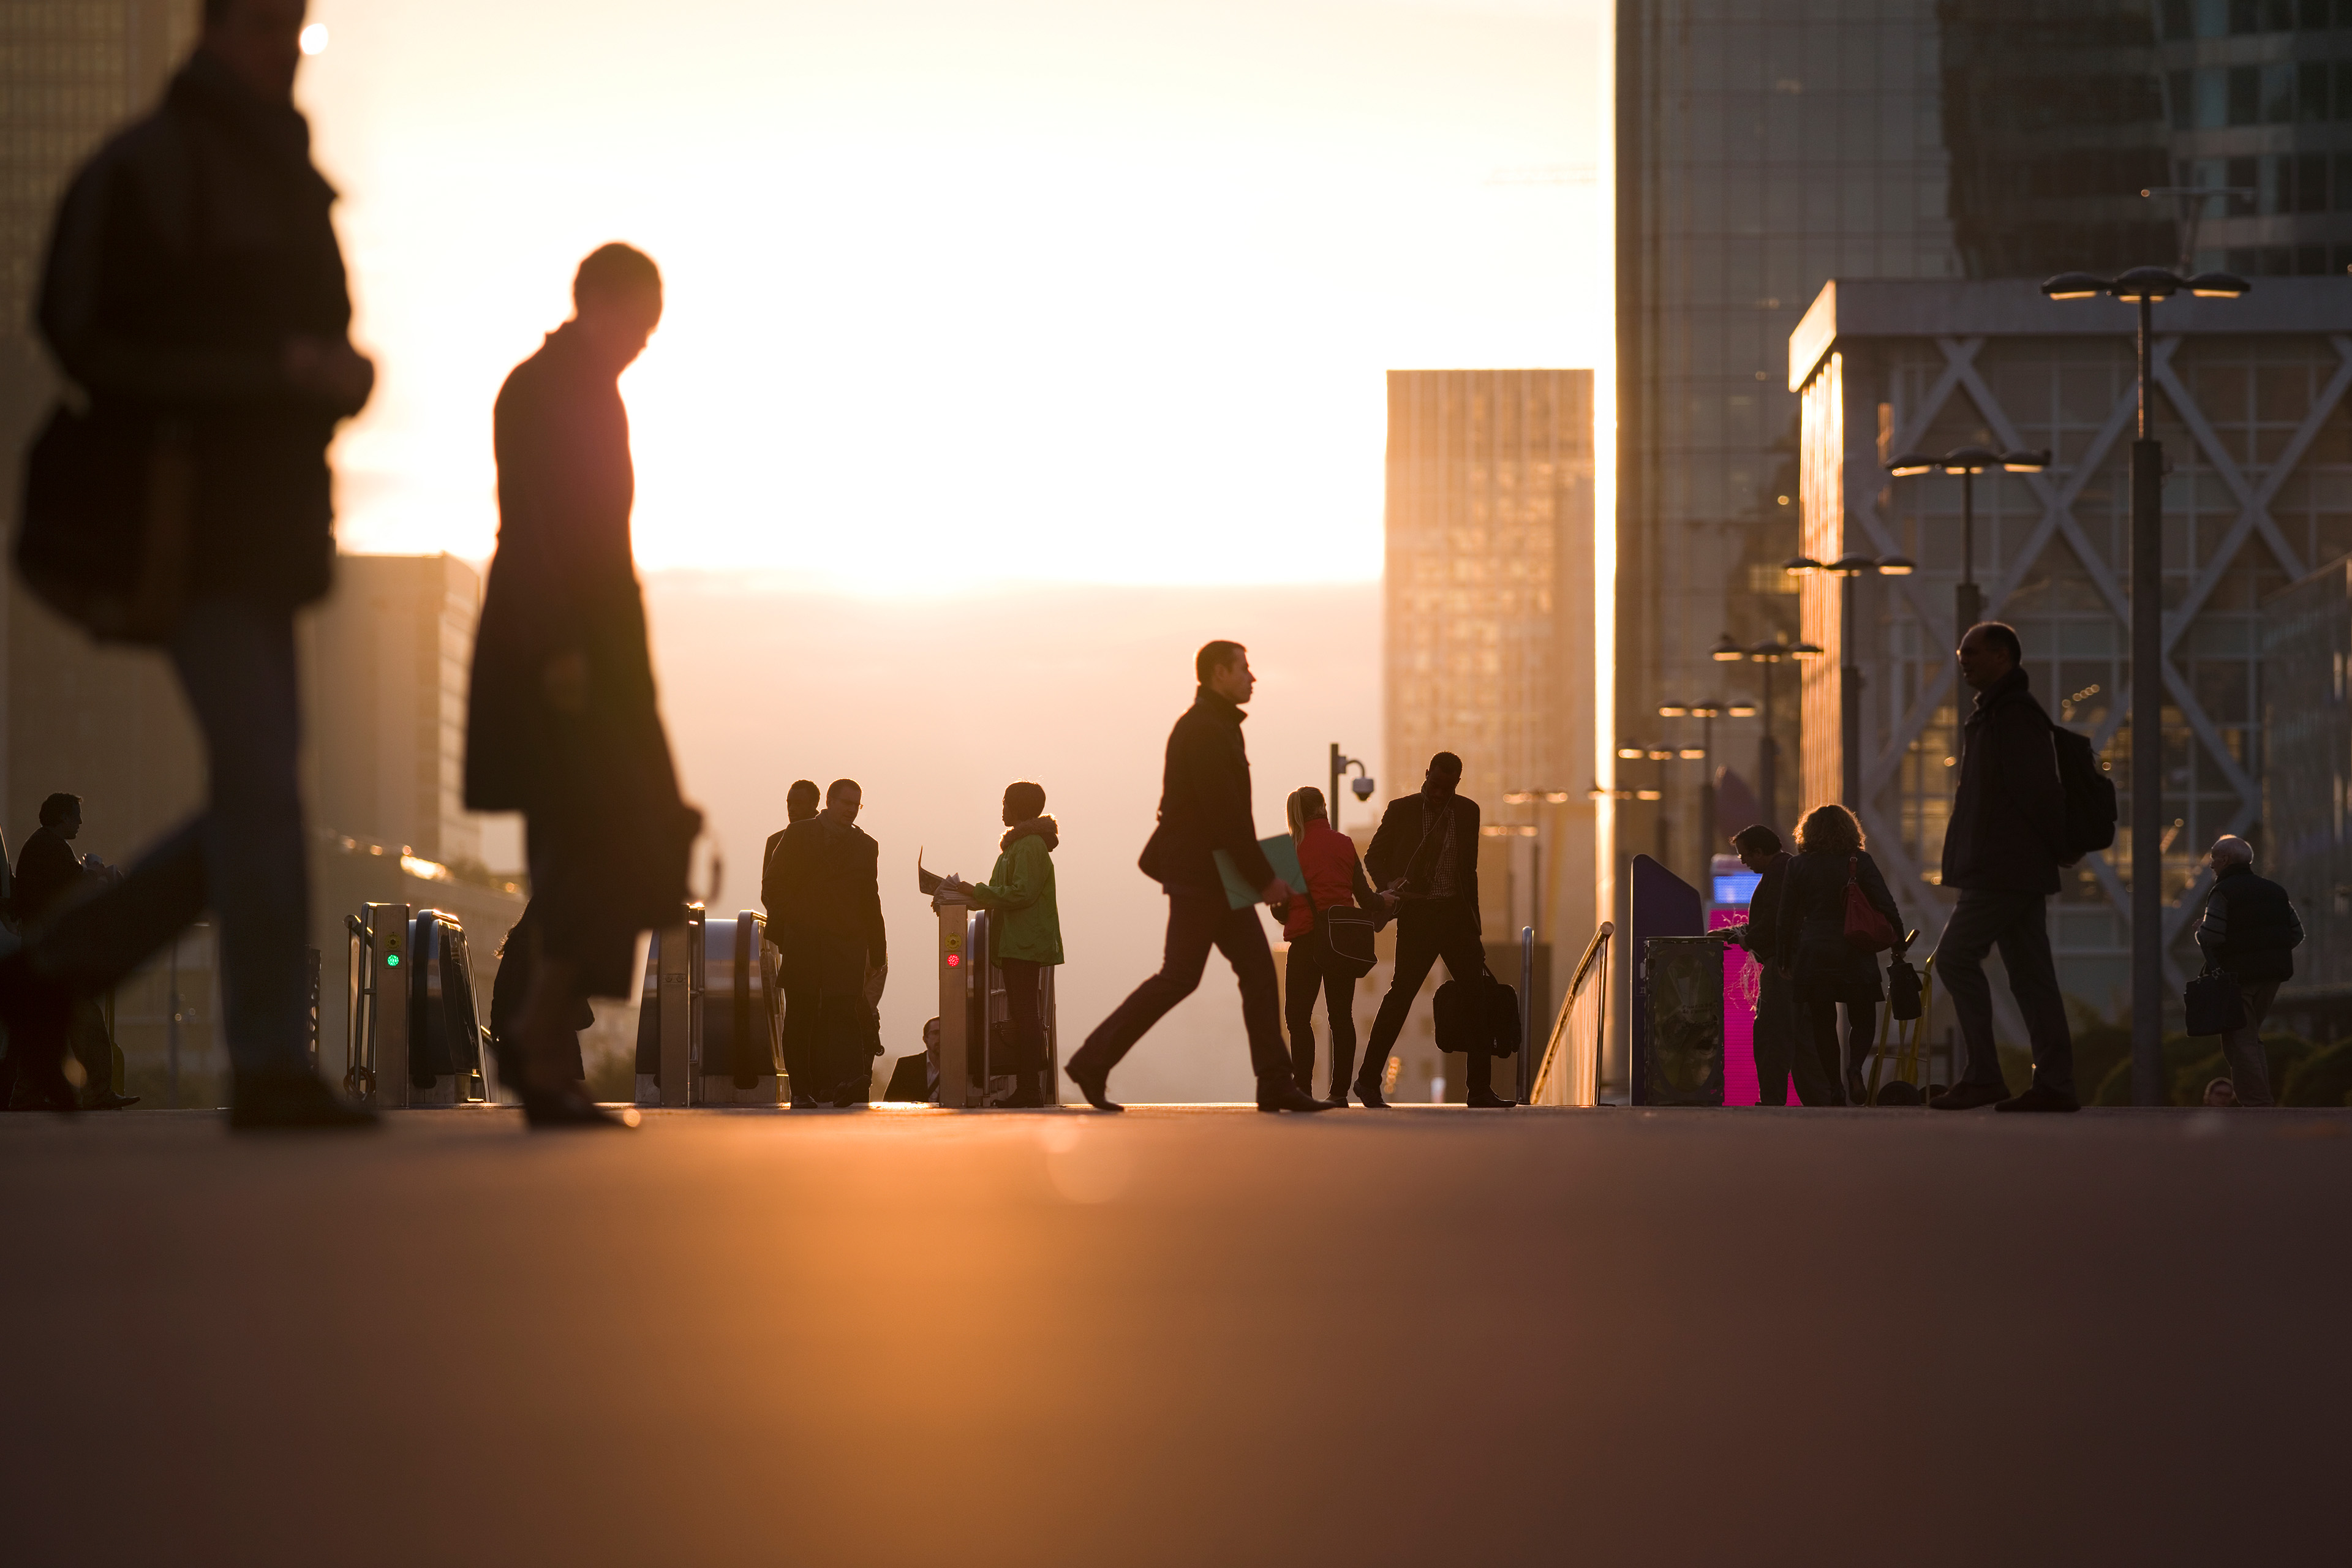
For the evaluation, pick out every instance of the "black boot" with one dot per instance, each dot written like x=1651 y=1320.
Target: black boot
x=1094 y=1085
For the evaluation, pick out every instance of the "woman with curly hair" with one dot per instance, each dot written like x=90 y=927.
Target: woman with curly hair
x=1811 y=947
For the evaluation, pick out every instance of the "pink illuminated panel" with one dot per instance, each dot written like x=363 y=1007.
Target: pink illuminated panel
x=1733 y=883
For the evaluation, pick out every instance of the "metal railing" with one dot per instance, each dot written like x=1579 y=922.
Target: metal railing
x=1571 y=1073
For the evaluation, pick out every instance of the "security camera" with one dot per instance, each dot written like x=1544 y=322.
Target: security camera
x=1362 y=786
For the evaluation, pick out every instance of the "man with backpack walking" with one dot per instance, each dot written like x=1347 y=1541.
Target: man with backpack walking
x=2009 y=835
x=2249 y=931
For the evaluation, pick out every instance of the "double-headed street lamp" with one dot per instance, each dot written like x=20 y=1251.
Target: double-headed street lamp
x=1967 y=462
x=1633 y=752
x=1706 y=713
x=2143 y=287
x=1850 y=673
x=1768 y=750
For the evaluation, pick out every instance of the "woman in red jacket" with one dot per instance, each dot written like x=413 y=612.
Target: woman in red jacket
x=1335 y=880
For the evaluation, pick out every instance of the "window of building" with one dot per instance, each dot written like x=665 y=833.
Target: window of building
x=2245 y=106
x=2311 y=89
x=2278 y=93
x=2244 y=182
x=2313 y=15
x=2310 y=184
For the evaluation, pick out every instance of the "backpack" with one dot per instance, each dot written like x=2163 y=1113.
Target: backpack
x=2090 y=796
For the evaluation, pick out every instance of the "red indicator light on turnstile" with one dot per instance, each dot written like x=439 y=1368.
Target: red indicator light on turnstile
x=954 y=959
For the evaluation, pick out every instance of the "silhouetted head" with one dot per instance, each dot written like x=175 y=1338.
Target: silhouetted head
x=1989 y=651
x=800 y=801
x=616 y=299
x=260 y=42
x=2229 y=850
x=1829 y=830
x=1023 y=801
x=1756 y=844
x=1443 y=777
x=1223 y=668
x=843 y=799
x=61 y=815
x=1305 y=805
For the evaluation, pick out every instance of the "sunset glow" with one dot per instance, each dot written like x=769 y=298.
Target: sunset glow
x=1058 y=292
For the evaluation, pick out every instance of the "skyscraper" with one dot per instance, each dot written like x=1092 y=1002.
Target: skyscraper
x=1490 y=634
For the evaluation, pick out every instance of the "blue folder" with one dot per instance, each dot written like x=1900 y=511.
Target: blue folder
x=1280 y=853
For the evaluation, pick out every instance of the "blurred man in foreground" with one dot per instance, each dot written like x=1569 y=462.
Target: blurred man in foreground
x=195 y=294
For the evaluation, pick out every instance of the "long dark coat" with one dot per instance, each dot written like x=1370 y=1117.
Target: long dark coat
x=1205 y=803
x=562 y=581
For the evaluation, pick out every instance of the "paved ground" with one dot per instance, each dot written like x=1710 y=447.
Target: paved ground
x=1185 y=1337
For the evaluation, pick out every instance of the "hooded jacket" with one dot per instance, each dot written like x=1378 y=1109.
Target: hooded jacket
x=1020 y=893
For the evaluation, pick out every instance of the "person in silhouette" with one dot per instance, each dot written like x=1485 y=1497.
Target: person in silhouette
x=1425 y=854
x=824 y=888
x=1824 y=970
x=563 y=724
x=193 y=284
x=507 y=989
x=1335 y=880
x=1026 y=935
x=1204 y=808
x=1778 y=1052
x=796 y=970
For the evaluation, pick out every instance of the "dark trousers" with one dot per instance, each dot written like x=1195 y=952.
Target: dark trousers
x=849 y=1037
x=1024 y=998
x=1821 y=1025
x=1427 y=931
x=803 y=1037
x=2018 y=924
x=1196 y=922
x=1779 y=1054
x=243 y=858
x=1307 y=971
x=2241 y=1048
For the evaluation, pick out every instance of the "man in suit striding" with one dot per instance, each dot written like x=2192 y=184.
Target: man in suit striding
x=1425 y=855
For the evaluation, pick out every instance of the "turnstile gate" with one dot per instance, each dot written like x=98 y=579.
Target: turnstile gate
x=976 y=1011
x=412 y=1034
x=707 y=1032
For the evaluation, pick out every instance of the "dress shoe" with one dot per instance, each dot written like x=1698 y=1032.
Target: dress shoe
x=547 y=1109
x=107 y=1100
x=1967 y=1097
x=292 y=1098
x=1027 y=1094
x=2041 y=1099
x=1856 y=1091
x=1092 y=1084
x=1338 y=1098
x=1368 y=1092
x=1488 y=1099
x=1282 y=1094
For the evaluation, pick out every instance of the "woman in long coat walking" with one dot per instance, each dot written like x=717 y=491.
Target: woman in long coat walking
x=563 y=725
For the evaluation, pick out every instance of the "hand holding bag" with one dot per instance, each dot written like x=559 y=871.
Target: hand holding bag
x=1865 y=928
x=2214 y=1004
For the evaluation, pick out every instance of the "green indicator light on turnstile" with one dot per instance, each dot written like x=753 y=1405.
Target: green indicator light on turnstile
x=392 y=960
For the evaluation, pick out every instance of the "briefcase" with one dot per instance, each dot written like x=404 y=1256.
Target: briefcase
x=2214 y=1004
x=1478 y=1014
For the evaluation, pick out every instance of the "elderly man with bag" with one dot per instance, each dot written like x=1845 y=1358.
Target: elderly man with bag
x=2249 y=931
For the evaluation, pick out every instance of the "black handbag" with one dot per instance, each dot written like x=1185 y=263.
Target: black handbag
x=1903 y=982
x=105 y=530
x=1346 y=933
x=2214 y=1004
x=1477 y=1014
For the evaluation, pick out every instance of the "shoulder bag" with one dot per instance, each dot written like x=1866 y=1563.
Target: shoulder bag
x=1865 y=928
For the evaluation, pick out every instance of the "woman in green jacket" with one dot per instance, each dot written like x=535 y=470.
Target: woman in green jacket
x=1026 y=934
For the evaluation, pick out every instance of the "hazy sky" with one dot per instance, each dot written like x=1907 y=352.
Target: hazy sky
x=1098 y=290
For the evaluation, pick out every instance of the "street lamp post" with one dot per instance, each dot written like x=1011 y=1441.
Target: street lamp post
x=1768 y=749
x=2143 y=287
x=1661 y=756
x=1706 y=713
x=1967 y=462
x=1850 y=673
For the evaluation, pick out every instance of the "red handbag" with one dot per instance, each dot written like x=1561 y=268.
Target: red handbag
x=1865 y=928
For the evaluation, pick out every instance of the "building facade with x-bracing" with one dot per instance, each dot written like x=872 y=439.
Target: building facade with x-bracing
x=2250 y=404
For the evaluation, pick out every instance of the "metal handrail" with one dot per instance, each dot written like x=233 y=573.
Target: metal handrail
x=1595 y=962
